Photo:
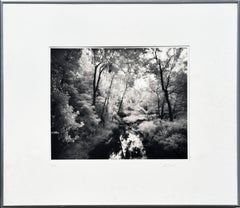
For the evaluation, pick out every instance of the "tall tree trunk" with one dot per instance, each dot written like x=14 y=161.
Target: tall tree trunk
x=158 y=105
x=99 y=67
x=107 y=98
x=166 y=94
x=94 y=85
x=162 y=109
x=169 y=106
x=121 y=102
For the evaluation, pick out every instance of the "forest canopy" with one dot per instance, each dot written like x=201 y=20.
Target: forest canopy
x=119 y=103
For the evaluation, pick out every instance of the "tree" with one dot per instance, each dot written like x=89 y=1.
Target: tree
x=165 y=69
x=99 y=66
x=105 y=105
x=129 y=63
x=64 y=67
x=155 y=88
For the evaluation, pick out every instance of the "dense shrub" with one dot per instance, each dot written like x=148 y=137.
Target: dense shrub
x=164 y=139
x=147 y=129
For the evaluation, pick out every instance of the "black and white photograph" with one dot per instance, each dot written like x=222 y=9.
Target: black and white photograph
x=119 y=103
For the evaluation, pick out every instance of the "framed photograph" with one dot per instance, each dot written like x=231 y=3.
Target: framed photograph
x=119 y=103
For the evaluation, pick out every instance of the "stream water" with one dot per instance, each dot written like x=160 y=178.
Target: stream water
x=131 y=147
x=123 y=143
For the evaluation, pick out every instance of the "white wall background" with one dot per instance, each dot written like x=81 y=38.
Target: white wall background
x=209 y=176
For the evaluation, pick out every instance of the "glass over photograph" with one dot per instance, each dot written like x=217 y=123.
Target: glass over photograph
x=119 y=103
